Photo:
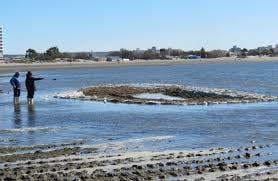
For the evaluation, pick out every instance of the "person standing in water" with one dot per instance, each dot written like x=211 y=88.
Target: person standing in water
x=30 y=86
x=16 y=87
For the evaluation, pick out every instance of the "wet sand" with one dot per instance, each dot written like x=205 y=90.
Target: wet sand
x=80 y=162
x=12 y=67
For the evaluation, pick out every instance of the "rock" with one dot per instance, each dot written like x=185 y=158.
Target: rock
x=247 y=155
x=255 y=164
x=267 y=163
x=162 y=177
x=171 y=164
x=9 y=179
x=234 y=167
x=236 y=178
x=245 y=166
x=174 y=174
x=160 y=164
x=125 y=174
x=150 y=166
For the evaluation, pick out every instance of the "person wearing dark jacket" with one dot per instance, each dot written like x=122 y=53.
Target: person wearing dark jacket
x=16 y=87
x=30 y=86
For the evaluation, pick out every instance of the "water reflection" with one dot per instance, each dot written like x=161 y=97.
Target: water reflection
x=17 y=115
x=31 y=115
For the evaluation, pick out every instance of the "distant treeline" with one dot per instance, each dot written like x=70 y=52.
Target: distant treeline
x=54 y=53
x=168 y=54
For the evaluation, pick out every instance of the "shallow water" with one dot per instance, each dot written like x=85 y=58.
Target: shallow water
x=123 y=127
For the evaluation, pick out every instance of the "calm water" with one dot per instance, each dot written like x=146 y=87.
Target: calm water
x=139 y=127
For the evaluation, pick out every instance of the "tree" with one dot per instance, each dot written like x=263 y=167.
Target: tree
x=203 y=53
x=53 y=52
x=162 y=52
x=31 y=54
x=244 y=50
x=126 y=54
x=243 y=53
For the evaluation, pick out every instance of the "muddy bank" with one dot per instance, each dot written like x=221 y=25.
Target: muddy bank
x=176 y=95
x=244 y=163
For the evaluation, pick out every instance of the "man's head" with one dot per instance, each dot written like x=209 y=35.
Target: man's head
x=16 y=74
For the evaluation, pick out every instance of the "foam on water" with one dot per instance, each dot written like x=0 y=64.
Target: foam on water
x=34 y=129
x=133 y=144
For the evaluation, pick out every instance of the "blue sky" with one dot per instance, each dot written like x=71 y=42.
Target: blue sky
x=101 y=25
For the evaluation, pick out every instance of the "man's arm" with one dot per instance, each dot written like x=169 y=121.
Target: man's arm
x=37 y=78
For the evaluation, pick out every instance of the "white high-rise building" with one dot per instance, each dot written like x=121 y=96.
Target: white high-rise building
x=1 y=43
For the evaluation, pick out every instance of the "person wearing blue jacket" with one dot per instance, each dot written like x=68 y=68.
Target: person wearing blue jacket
x=16 y=87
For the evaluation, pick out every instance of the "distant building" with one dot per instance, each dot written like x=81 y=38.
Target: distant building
x=264 y=49
x=154 y=49
x=276 y=48
x=113 y=59
x=193 y=57
x=1 y=43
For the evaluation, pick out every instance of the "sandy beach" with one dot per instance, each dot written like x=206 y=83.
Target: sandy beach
x=12 y=67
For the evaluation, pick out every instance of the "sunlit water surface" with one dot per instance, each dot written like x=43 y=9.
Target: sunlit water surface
x=143 y=127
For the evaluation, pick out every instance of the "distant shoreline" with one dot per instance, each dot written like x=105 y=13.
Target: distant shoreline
x=12 y=67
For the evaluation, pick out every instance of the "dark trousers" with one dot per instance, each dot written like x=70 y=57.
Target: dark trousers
x=16 y=92
x=30 y=94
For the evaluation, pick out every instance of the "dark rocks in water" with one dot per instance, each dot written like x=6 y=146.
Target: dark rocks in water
x=247 y=155
x=234 y=167
x=162 y=177
x=245 y=166
x=267 y=163
x=171 y=164
x=255 y=164
x=150 y=166
x=174 y=174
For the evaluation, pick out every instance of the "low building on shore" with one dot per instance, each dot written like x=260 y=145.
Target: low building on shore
x=193 y=57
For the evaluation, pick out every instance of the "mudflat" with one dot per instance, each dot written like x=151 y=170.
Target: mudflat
x=60 y=162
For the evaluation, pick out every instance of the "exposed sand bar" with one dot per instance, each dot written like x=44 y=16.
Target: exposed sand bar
x=177 y=94
x=12 y=67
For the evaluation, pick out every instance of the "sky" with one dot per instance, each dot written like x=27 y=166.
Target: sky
x=104 y=25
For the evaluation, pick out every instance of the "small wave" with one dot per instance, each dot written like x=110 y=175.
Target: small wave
x=150 y=139
x=35 y=129
x=70 y=94
x=133 y=144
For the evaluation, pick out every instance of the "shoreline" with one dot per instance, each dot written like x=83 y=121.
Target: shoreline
x=13 y=67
